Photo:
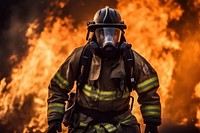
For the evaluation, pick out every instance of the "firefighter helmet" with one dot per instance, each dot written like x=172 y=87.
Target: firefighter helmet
x=108 y=30
x=106 y=17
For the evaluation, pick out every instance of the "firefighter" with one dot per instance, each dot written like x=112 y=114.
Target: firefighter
x=106 y=70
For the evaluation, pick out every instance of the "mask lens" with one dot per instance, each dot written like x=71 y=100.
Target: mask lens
x=108 y=35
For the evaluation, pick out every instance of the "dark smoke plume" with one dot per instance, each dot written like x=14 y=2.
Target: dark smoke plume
x=15 y=15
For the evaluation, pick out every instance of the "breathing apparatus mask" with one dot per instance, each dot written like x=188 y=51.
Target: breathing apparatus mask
x=108 y=39
x=108 y=33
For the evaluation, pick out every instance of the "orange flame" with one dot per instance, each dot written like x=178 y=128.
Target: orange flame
x=197 y=94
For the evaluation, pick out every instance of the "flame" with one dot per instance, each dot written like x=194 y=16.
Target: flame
x=151 y=38
x=197 y=94
x=148 y=32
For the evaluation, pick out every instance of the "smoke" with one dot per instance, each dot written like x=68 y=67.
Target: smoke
x=15 y=17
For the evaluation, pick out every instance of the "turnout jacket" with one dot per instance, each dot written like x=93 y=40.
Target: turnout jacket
x=103 y=91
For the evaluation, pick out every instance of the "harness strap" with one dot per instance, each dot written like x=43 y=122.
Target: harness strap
x=84 y=66
x=129 y=68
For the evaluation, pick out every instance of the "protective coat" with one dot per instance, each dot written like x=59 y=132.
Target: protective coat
x=105 y=91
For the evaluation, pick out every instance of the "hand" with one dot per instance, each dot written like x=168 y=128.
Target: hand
x=150 y=128
x=54 y=127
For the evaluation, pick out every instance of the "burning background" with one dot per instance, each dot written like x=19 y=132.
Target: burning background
x=37 y=36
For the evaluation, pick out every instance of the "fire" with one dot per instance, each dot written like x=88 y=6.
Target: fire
x=197 y=94
x=149 y=34
x=147 y=31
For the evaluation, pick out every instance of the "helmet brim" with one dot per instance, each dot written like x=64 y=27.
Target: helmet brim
x=92 y=27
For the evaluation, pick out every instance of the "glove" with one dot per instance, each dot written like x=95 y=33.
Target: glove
x=54 y=127
x=151 y=128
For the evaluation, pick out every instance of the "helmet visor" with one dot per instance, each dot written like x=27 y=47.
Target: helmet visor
x=108 y=35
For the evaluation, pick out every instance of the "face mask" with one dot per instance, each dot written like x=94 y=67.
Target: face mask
x=108 y=39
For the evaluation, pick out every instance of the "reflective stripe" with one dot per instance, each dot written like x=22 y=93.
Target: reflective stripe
x=147 y=85
x=101 y=128
x=63 y=83
x=149 y=107
x=98 y=129
x=151 y=110
x=151 y=114
x=127 y=119
x=110 y=127
x=82 y=124
x=55 y=110
x=102 y=95
x=58 y=83
x=56 y=107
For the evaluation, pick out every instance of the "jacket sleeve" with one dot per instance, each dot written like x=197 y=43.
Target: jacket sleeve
x=147 y=84
x=61 y=84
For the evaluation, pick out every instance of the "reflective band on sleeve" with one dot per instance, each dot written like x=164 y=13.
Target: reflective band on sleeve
x=151 y=114
x=56 y=107
x=55 y=110
x=63 y=83
x=151 y=110
x=102 y=95
x=127 y=119
x=147 y=85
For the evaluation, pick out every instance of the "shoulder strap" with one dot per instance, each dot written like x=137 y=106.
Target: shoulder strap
x=129 y=62
x=84 y=66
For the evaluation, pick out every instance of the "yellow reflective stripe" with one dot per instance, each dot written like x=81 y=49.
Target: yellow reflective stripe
x=56 y=110
x=102 y=95
x=89 y=88
x=82 y=124
x=110 y=127
x=57 y=82
x=147 y=84
x=60 y=81
x=140 y=85
x=64 y=81
x=151 y=110
x=149 y=87
x=56 y=105
x=150 y=107
x=89 y=94
x=151 y=114
x=127 y=119
x=98 y=129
